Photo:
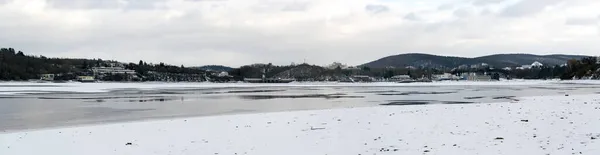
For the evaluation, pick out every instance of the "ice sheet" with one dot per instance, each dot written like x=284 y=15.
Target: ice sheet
x=533 y=125
x=30 y=87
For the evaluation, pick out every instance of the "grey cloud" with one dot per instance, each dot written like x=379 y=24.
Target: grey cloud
x=142 y=4
x=462 y=13
x=486 y=12
x=377 y=8
x=527 y=7
x=581 y=21
x=276 y=6
x=103 y=4
x=412 y=17
x=83 y=4
x=486 y=2
x=296 y=7
x=446 y=7
x=195 y=40
x=205 y=0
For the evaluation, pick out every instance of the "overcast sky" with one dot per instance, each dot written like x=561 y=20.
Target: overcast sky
x=238 y=32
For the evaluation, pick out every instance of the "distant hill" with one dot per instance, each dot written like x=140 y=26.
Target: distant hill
x=215 y=68
x=498 y=60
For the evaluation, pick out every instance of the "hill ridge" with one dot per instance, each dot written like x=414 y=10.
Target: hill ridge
x=496 y=60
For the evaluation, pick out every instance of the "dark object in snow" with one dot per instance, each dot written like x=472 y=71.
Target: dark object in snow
x=593 y=138
x=566 y=94
x=426 y=151
x=499 y=138
x=524 y=120
x=128 y=144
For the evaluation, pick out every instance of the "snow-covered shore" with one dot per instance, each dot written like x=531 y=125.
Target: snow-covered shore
x=533 y=125
x=30 y=87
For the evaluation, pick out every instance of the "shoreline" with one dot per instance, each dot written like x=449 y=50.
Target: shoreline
x=20 y=88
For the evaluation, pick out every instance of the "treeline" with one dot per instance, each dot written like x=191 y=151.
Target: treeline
x=586 y=68
x=16 y=65
x=552 y=72
x=306 y=72
x=163 y=72
x=575 y=69
x=143 y=68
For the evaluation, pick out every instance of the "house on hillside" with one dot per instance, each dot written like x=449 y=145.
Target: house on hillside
x=399 y=78
x=102 y=72
x=537 y=64
x=362 y=78
x=444 y=77
x=112 y=70
x=477 y=77
x=479 y=66
x=533 y=65
x=86 y=79
x=47 y=77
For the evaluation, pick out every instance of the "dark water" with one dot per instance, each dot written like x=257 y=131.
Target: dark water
x=33 y=111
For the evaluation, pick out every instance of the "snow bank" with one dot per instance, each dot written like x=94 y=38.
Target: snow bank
x=534 y=125
x=28 y=87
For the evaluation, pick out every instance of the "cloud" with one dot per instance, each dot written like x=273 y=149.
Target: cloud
x=412 y=17
x=582 y=21
x=446 y=7
x=377 y=8
x=528 y=7
x=486 y=2
x=104 y=4
x=486 y=12
x=239 y=32
x=462 y=13
x=84 y=4
x=296 y=7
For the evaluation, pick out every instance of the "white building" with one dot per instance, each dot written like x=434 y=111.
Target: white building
x=524 y=67
x=223 y=74
x=112 y=70
x=399 y=78
x=537 y=64
x=47 y=77
x=477 y=77
x=533 y=65
x=445 y=76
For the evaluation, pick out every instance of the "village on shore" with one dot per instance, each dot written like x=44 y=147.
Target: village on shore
x=17 y=66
